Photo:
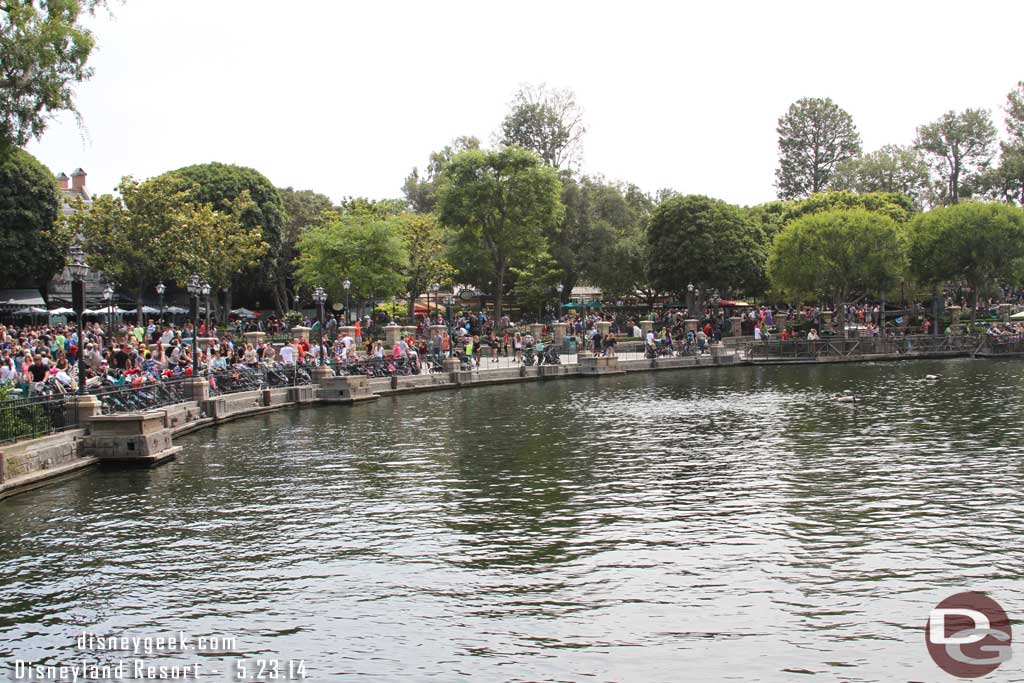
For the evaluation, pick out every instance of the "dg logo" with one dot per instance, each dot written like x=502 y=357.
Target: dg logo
x=968 y=635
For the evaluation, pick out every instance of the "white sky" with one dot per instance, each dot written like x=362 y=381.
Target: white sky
x=346 y=97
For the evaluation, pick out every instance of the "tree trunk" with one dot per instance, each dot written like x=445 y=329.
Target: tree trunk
x=974 y=307
x=138 y=306
x=499 y=295
x=227 y=301
x=411 y=308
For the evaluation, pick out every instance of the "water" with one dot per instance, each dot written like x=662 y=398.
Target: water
x=719 y=525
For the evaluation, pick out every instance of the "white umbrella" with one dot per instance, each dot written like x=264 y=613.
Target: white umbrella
x=242 y=313
x=62 y=311
x=1017 y=316
x=175 y=309
x=146 y=310
x=31 y=310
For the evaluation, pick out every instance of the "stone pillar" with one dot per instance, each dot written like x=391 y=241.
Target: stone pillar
x=735 y=326
x=301 y=333
x=87 y=407
x=954 y=313
x=391 y=335
x=1004 y=313
x=826 y=321
x=198 y=388
x=204 y=343
x=646 y=326
x=603 y=326
x=437 y=330
x=349 y=329
x=409 y=331
x=254 y=338
x=321 y=374
x=559 y=332
x=690 y=324
x=536 y=329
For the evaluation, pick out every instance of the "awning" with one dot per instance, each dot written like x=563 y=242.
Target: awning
x=21 y=298
x=32 y=310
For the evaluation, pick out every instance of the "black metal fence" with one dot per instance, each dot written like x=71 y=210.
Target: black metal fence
x=26 y=418
x=250 y=378
x=839 y=347
x=147 y=396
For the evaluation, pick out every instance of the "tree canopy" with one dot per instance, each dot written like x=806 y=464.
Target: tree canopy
x=702 y=241
x=546 y=121
x=366 y=249
x=834 y=253
x=892 y=168
x=31 y=239
x=979 y=244
x=960 y=146
x=496 y=205
x=44 y=49
x=896 y=206
x=815 y=135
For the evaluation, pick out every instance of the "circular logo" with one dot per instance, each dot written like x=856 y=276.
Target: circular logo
x=968 y=635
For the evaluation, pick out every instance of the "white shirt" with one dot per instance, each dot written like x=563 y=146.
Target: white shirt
x=288 y=354
x=637 y=332
x=650 y=338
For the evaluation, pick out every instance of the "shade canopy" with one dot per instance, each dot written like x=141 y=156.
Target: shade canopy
x=62 y=311
x=242 y=313
x=175 y=309
x=31 y=310
x=145 y=310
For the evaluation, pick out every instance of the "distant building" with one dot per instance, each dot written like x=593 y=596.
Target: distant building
x=59 y=288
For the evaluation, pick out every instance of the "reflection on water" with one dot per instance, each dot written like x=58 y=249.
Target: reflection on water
x=734 y=524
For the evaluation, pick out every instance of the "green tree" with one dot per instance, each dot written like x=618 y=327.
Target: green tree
x=546 y=121
x=536 y=284
x=303 y=208
x=156 y=229
x=377 y=208
x=892 y=168
x=221 y=185
x=43 y=53
x=980 y=245
x=815 y=135
x=834 y=253
x=496 y=205
x=423 y=239
x=366 y=249
x=896 y=206
x=34 y=245
x=1005 y=182
x=420 y=191
x=707 y=242
x=960 y=147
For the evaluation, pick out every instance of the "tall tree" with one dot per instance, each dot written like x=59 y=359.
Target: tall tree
x=891 y=168
x=420 y=190
x=834 y=253
x=960 y=146
x=31 y=239
x=221 y=185
x=981 y=245
x=423 y=239
x=44 y=49
x=896 y=206
x=546 y=121
x=815 y=135
x=156 y=229
x=1006 y=181
x=707 y=242
x=496 y=205
x=364 y=248
x=303 y=208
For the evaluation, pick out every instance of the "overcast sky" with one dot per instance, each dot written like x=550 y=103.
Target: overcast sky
x=346 y=97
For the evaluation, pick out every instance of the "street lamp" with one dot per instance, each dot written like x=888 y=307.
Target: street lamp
x=108 y=296
x=194 y=290
x=449 y=302
x=205 y=289
x=689 y=299
x=160 y=289
x=79 y=269
x=347 y=285
x=320 y=296
x=436 y=287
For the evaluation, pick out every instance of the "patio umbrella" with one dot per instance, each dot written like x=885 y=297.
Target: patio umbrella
x=175 y=309
x=242 y=313
x=31 y=310
x=572 y=305
x=1017 y=316
x=62 y=311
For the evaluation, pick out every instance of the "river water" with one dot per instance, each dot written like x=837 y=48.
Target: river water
x=731 y=524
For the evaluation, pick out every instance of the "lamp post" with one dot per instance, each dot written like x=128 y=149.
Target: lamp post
x=436 y=287
x=194 y=290
x=79 y=269
x=320 y=296
x=689 y=299
x=160 y=289
x=347 y=285
x=108 y=296
x=205 y=289
x=448 y=314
